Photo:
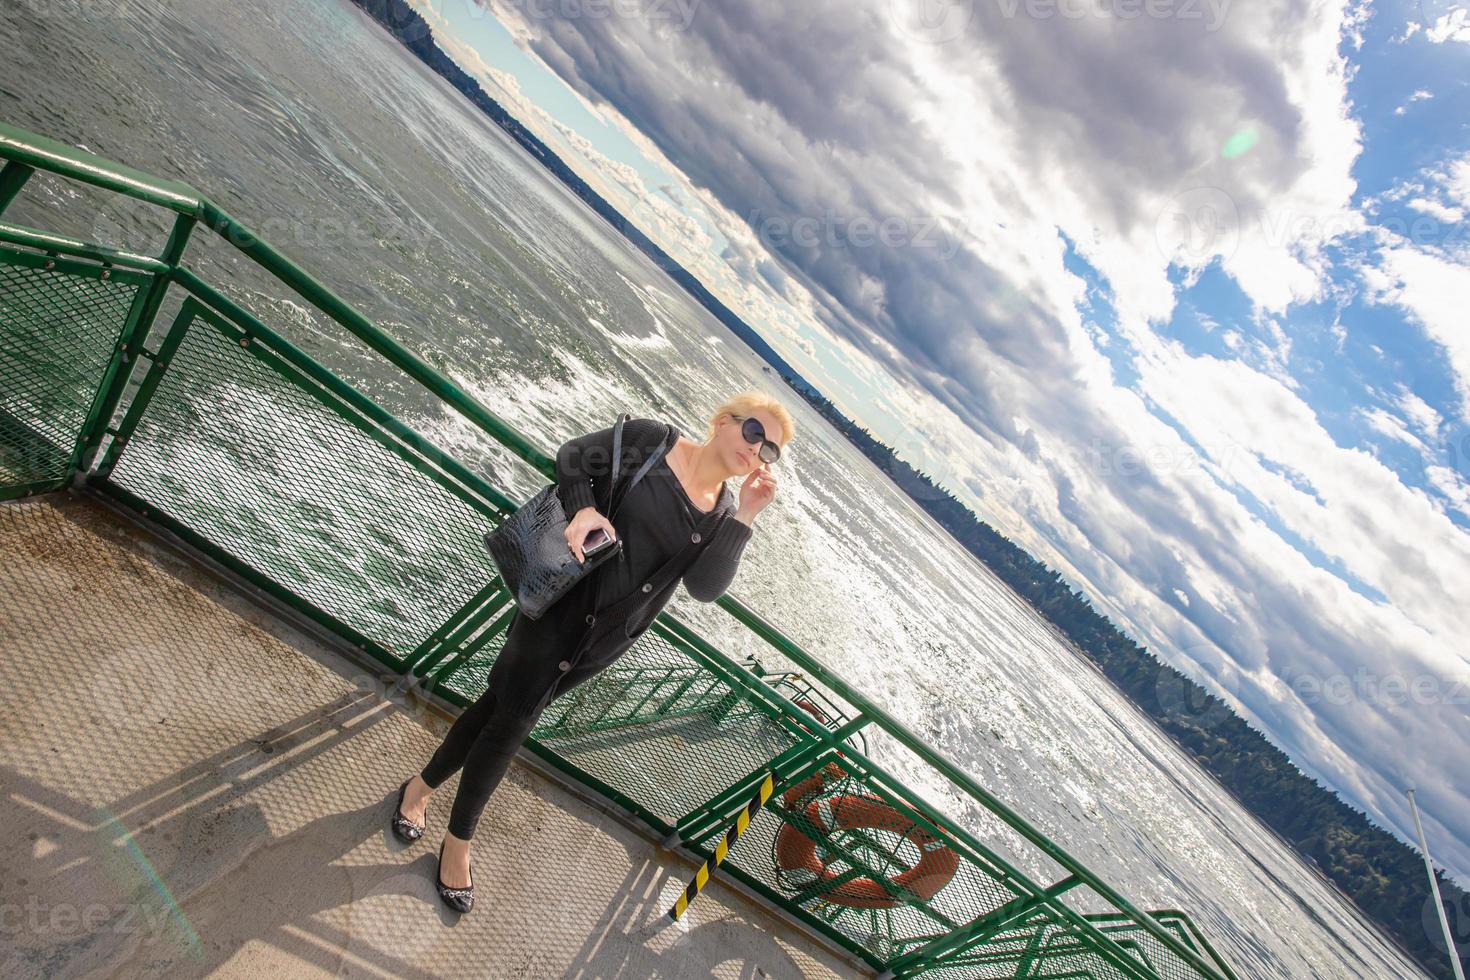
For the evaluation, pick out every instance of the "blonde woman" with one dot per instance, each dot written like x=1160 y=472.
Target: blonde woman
x=681 y=522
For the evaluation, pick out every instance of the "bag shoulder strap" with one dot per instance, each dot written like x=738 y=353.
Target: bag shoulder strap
x=617 y=459
x=617 y=453
x=653 y=457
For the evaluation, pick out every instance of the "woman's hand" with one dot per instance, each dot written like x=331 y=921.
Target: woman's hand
x=757 y=490
x=583 y=523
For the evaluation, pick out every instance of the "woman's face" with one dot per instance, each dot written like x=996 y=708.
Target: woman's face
x=739 y=456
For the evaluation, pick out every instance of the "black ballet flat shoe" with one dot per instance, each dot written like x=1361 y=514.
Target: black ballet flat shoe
x=459 y=899
x=403 y=828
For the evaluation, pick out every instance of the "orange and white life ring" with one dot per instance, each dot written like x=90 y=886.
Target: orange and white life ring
x=796 y=853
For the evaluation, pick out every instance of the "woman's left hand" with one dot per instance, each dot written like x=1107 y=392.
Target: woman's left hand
x=757 y=490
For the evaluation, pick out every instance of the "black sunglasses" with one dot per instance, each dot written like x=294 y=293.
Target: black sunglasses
x=754 y=432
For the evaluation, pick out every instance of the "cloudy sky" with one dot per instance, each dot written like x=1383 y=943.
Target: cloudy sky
x=1172 y=292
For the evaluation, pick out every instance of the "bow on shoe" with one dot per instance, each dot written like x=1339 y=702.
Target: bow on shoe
x=403 y=828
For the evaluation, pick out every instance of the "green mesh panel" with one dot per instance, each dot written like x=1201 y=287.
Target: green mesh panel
x=1146 y=947
x=265 y=471
x=656 y=726
x=58 y=330
x=1040 y=946
x=1021 y=949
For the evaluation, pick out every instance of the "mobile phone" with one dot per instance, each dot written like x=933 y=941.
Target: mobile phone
x=597 y=539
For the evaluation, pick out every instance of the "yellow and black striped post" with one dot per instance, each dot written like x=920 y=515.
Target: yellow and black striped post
x=767 y=787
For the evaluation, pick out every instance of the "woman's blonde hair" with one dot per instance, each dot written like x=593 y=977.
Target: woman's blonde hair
x=749 y=401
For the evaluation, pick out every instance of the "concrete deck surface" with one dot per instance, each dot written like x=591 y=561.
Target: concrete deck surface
x=191 y=787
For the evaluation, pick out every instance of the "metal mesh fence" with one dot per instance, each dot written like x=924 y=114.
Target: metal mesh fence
x=662 y=729
x=1013 y=951
x=58 y=330
x=276 y=476
x=1037 y=947
x=816 y=698
x=1147 y=947
x=1042 y=946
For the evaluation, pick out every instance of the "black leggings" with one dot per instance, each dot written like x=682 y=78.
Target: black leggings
x=482 y=741
x=484 y=738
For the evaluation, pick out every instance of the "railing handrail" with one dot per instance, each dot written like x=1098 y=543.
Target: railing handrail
x=41 y=153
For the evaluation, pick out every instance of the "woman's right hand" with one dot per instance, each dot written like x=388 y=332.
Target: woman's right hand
x=583 y=523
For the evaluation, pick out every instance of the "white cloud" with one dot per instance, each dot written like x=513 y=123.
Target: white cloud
x=1391 y=426
x=1456 y=181
x=1419 y=96
x=1452 y=24
x=1432 y=290
x=1423 y=417
x=1436 y=210
x=1452 y=485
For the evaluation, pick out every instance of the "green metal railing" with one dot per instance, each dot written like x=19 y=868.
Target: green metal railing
x=213 y=425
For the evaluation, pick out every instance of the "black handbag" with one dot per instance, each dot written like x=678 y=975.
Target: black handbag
x=529 y=547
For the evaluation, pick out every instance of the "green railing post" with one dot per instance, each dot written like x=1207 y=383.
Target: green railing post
x=1028 y=958
x=456 y=630
x=437 y=674
x=115 y=375
x=934 y=952
x=12 y=179
x=130 y=346
x=144 y=395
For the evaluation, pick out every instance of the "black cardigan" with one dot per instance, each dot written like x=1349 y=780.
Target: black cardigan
x=583 y=466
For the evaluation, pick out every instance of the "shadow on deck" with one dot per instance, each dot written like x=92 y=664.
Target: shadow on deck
x=197 y=788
